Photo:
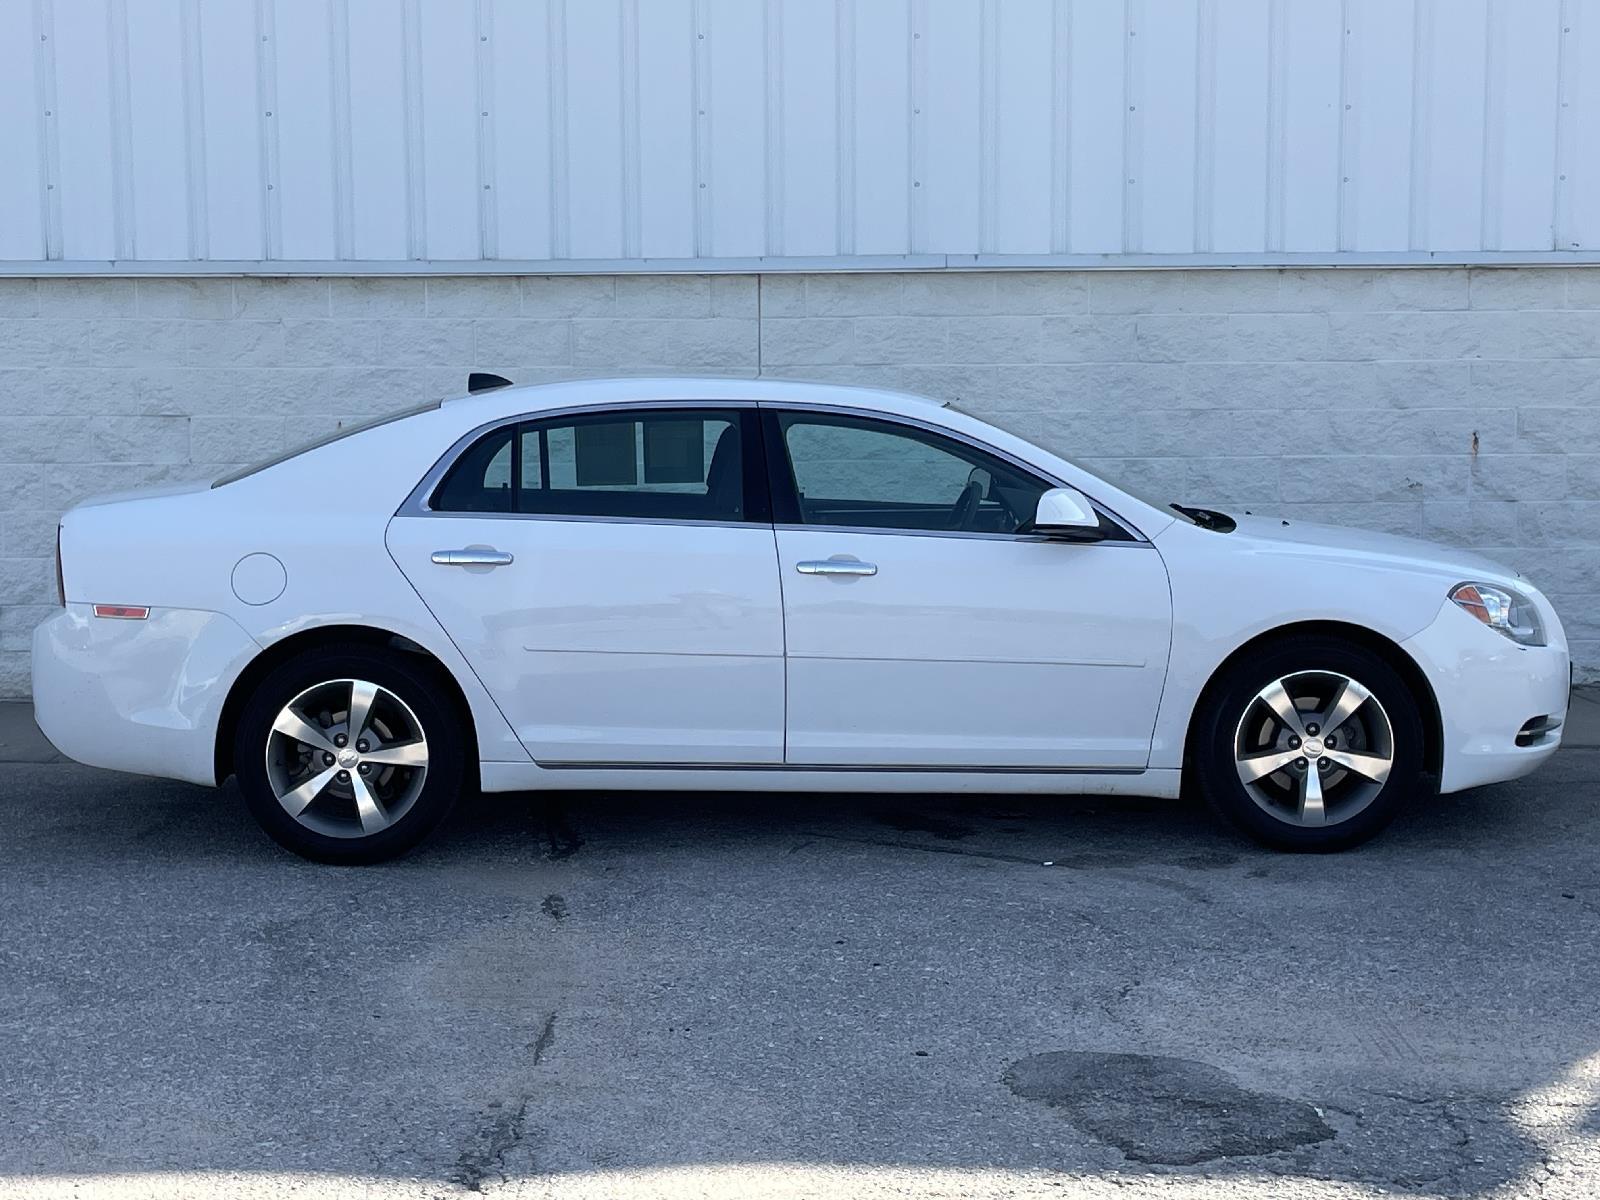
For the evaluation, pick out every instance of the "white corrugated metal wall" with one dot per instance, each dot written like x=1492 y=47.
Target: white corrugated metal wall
x=537 y=134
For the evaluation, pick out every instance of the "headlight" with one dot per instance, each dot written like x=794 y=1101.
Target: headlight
x=1502 y=610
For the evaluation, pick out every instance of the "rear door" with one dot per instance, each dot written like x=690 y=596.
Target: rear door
x=612 y=578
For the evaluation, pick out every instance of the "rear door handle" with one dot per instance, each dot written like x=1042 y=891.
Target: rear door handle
x=473 y=557
x=836 y=566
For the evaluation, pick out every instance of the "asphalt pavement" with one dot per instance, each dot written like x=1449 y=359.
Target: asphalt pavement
x=624 y=995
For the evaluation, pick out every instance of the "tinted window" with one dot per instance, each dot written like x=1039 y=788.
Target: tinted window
x=678 y=464
x=851 y=471
x=480 y=480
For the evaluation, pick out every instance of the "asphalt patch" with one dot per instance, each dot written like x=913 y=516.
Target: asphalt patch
x=1165 y=1111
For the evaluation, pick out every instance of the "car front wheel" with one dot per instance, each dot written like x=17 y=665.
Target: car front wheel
x=1311 y=744
x=349 y=755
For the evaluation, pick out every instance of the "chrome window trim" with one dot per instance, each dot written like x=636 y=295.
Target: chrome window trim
x=954 y=435
x=962 y=534
x=416 y=504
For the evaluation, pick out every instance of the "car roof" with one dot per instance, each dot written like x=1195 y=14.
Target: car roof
x=531 y=398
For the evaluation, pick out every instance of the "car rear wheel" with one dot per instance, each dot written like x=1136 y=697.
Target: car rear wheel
x=349 y=755
x=1313 y=743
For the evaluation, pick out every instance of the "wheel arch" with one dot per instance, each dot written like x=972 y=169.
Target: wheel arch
x=330 y=635
x=1386 y=648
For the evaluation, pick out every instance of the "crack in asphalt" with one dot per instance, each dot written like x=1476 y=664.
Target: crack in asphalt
x=501 y=1129
x=495 y=1138
x=546 y=1036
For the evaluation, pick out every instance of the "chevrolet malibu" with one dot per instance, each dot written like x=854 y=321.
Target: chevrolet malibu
x=767 y=586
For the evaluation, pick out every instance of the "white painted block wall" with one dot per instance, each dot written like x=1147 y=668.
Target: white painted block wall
x=1460 y=405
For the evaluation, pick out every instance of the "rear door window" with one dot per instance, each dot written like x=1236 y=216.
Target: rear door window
x=671 y=464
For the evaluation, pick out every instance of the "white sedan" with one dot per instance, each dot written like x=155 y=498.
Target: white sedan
x=767 y=586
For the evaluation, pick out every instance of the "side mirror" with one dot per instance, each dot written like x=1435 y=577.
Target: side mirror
x=1066 y=513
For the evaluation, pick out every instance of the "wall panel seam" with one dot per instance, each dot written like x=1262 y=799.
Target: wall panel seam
x=772 y=144
x=1061 y=126
x=1277 y=125
x=560 y=132
x=49 y=127
x=123 y=225
x=1347 y=208
x=916 y=157
x=628 y=69
x=1569 y=32
x=1205 y=116
x=989 y=130
x=344 y=217
x=267 y=120
x=1493 y=129
x=700 y=110
x=1419 y=181
x=1132 y=128
x=416 y=163
x=483 y=91
x=845 y=125
x=194 y=132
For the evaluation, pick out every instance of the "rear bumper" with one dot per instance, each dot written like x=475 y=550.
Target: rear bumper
x=1489 y=689
x=140 y=696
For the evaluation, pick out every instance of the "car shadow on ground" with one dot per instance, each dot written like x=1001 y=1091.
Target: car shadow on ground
x=569 y=982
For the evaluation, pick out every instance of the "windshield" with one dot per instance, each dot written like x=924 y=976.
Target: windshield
x=1160 y=503
x=339 y=433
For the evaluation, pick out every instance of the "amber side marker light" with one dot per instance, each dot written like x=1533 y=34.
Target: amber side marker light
x=122 y=612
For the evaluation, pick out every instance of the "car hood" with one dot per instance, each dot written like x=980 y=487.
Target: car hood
x=1339 y=542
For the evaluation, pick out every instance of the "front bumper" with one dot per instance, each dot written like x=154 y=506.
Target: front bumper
x=141 y=696
x=1488 y=689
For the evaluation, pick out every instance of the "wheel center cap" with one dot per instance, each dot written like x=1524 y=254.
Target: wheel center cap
x=1311 y=747
x=348 y=758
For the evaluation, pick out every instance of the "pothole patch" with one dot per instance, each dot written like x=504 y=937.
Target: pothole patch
x=1162 y=1110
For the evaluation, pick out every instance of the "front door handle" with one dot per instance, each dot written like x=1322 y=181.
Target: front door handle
x=836 y=566
x=475 y=556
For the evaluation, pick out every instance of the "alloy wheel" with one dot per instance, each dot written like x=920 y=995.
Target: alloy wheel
x=1314 y=748
x=346 y=758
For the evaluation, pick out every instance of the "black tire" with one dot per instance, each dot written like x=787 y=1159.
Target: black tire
x=425 y=698
x=1231 y=694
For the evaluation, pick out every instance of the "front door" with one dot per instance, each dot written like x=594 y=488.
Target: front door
x=611 y=578
x=924 y=630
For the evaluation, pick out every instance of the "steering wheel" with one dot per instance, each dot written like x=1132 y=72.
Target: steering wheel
x=966 y=506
